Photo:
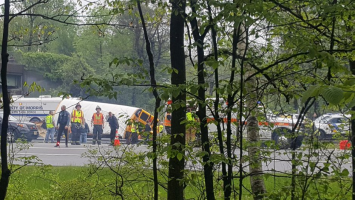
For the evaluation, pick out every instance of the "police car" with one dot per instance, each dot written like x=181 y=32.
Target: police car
x=330 y=124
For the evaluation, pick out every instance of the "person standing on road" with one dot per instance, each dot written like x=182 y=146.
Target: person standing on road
x=63 y=125
x=160 y=127
x=98 y=122
x=84 y=134
x=77 y=121
x=167 y=123
x=132 y=130
x=147 y=131
x=50 y=127
x=135 y=131
x=112 y=121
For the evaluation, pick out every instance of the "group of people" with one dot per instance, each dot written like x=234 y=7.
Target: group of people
x=137 y=128
x=79 y=128
x=75 y=122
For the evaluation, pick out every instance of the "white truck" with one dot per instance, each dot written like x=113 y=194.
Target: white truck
x=33 y=109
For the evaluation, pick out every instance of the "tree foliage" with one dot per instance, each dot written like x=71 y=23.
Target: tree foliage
x=284 y=56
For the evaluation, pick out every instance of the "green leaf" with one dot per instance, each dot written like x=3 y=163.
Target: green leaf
x=352 y=103
x=332 y=94
x=345 y=172
x=310 y=92
x=179 y=156
x=349 y=82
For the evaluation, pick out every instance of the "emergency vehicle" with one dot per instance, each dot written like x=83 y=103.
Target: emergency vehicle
x=330 y=124
x=279 y=129
x=276 y=128
x=33 y=109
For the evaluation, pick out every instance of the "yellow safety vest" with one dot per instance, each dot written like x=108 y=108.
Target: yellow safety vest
x=189 y=116
x=77 y=116
x=161 y=127
x=133 y=128
x=49 y=121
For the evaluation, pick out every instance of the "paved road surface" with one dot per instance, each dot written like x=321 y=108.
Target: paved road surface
x=73 y=156
x=65 y=156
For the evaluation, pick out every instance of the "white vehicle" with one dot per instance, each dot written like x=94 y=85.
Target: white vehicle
x=279 y=129
x=33 y=109
x=273 y=127
x=276 y=128
x=330 y=124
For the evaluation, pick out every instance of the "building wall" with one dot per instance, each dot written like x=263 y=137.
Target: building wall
x=15 y=77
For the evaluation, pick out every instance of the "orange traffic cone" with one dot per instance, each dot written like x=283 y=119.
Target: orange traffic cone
x=117 y=140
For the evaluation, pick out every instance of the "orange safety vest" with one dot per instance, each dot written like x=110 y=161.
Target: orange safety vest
x=98 y=119
x=166 y=121
x=77 y=116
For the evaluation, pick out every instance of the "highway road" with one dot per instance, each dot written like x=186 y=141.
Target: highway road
x=73 y=156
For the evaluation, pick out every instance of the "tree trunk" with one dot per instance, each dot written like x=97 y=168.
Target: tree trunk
x=255 y=164
x=352 y=68
x=5 y=172
x=208 y=166
x=153 y=83
x=177 y=56
x=31 y=29
x=216 y=104
x=230 y=105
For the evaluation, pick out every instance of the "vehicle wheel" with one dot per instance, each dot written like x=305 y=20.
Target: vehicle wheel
x=13 y=135
x=10 y=136
x=18 y=135
x=35 y=120
x=322 y=135
x=298 y=142
x=280 y=136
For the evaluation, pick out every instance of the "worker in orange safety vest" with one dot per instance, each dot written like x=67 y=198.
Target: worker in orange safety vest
x=98 y=122
x=167 y=123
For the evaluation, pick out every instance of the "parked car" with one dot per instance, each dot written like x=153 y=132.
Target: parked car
x=17 y=129
x=329 y=124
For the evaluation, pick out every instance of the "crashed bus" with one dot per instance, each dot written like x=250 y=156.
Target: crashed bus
x=35 y=109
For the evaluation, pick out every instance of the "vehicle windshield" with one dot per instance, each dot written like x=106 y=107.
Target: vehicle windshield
x=322 y=119
x=11 y=118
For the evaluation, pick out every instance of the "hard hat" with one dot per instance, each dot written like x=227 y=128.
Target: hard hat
x=78 y=105
x=98 y=107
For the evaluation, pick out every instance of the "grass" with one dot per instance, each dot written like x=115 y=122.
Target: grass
x=80 y=183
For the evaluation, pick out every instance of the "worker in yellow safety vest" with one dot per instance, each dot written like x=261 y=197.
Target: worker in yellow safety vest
x=160 y=127
x=190 y=126
x=77 y=121
x=132 y=134
x=189 y=115
x=50 y=127
x=98 y=122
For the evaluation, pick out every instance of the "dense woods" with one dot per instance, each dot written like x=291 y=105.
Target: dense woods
x=238 y=65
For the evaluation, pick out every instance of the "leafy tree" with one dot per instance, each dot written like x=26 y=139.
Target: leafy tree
x=5 y=172
x=178 y=79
